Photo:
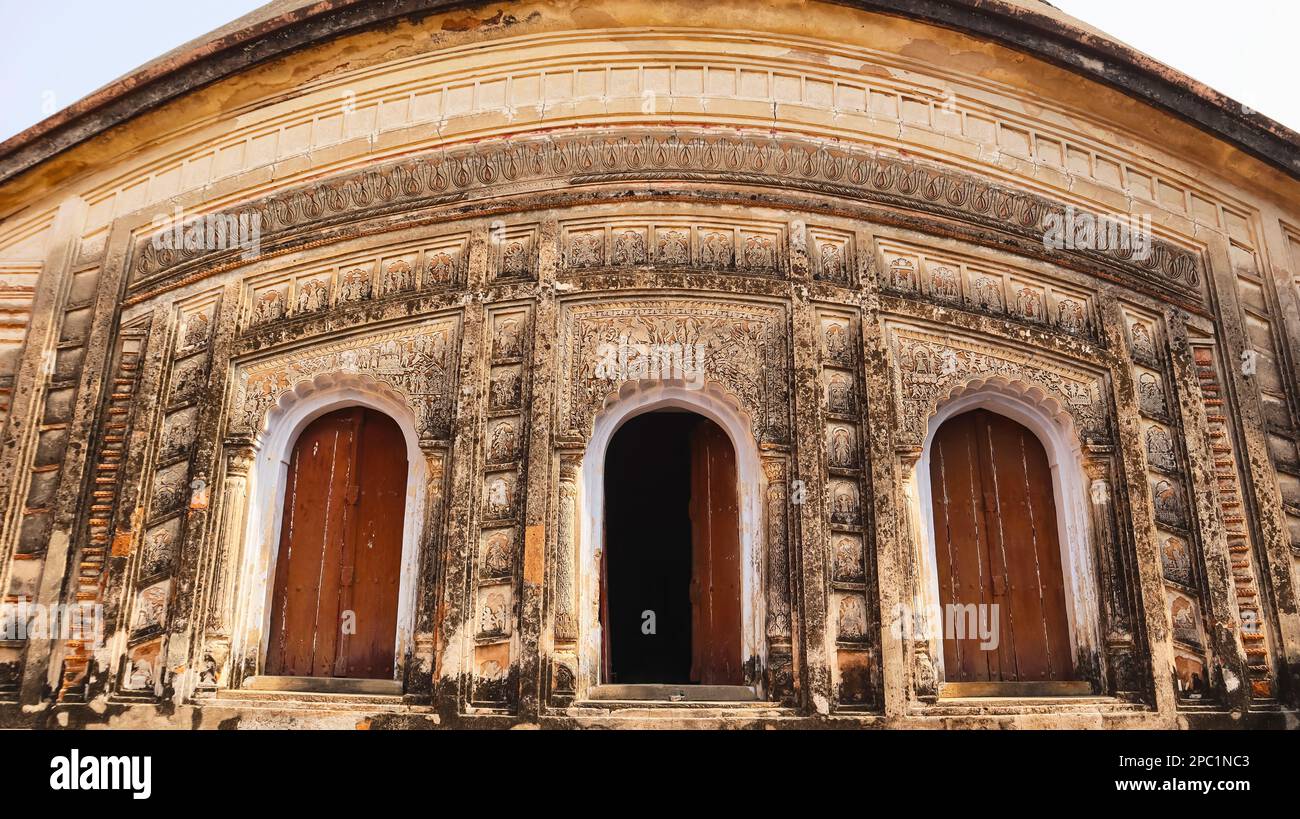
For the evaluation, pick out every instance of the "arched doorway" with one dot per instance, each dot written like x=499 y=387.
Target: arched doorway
x=997 y=553
x=334 y=607
x=670 y=595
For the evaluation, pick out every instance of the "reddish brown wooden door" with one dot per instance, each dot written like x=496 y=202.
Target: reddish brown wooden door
x=715 y=577
x=996 y=542
x=334 y=611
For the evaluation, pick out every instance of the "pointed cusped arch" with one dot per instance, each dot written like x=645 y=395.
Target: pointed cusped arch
x=711 y=401
x=1045 y=416
x=277 y=433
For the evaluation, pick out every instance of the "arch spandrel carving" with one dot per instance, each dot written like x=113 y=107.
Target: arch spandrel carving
x=605 y=345
x=417 y=364
x=932 y=368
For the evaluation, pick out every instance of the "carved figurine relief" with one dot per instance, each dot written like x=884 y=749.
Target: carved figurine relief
x=159 y=548
x=198 y=329
x=516 y=259
x=499 y=499
x=1168 y=502
x=501 y=442
x=630 y=248
x=848 y=559
x=498 y=554
x=1151 y=395
x=268 y=307
x=836 y=343
x=844 y=503
x=832 y=266
x=674 y=248
x=178 y=434
x=1140 y=339
x=758 y=253
x=852 y=618
x=902 y=274
x=945 y=283
x=1160 y=449
x=986 y=294
x=355 y=285
x=1182 y=612
x=841 y=449
x=189 y=378
x=507 y=342
x=493 y=614
x=1176 y=560
x=715 y=250
x=505 y=390
x=398 y=276
x=586 y=249
x=313 y=295
x=839 y=394
x=1029 y=304
x=150 y=606
x=440 y=269
x=1069 y=316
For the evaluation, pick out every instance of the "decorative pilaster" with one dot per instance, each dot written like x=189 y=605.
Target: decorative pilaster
x=214 y=665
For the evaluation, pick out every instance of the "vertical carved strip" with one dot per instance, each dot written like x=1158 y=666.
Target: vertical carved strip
x=498 y=570
x=566 y=552
x=214 y=669
x=1118 y=580
x=780 y=682
x=175 y=508
x=1229 y=494
x=851 y=567
x=101 y=538
x=421 y=670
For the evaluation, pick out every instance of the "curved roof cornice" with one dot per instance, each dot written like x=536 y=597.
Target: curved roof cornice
x=284 y=26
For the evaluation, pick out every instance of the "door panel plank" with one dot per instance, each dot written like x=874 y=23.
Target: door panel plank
x=996 y=542
x=715 y=584
x=337 y=522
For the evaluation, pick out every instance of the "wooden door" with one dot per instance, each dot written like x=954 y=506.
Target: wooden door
x=996 y=542
x=715 y=542
x=334 y=611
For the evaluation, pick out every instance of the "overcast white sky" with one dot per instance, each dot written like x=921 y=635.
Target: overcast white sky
x=57 y=51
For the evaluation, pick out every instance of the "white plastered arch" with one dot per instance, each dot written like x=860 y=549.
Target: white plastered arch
x=276 y=436
x=712 y=402
x=1045 y=416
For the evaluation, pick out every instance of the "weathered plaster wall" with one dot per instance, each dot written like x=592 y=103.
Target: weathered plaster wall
x=453 y=207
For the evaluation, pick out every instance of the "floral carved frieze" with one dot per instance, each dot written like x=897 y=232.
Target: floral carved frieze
x=294 y=217
x=418 y=364
x=932 y=367
x=742 y=347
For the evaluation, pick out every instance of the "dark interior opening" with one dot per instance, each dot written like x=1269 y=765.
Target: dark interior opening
x=648 y=548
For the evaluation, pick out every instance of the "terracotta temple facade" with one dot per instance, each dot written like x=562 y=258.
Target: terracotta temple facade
x=398 y=300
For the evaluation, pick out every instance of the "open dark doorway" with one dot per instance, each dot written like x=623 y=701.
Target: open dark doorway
x=670 y=596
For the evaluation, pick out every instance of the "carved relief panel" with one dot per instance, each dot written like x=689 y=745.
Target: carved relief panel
x=418 y=363
x=503 y=480
x=932 y=365
x=1177 y=535
x=747 y=247
x=176 y=490
x=851 y=568
x=319 y=286
x=947 y=278
x=743 y=347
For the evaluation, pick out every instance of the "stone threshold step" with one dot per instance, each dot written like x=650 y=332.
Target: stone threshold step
x=655 y=692
x=324 y=685
x=1020 y=690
